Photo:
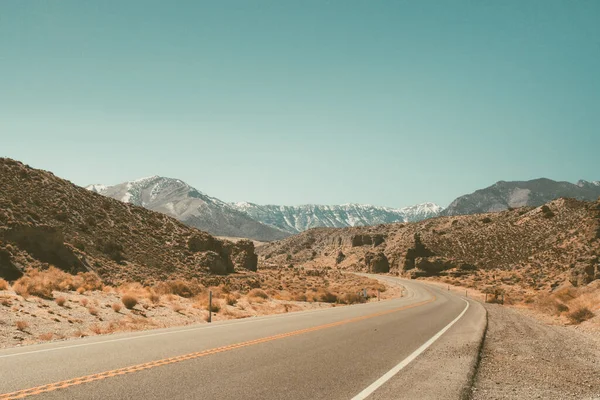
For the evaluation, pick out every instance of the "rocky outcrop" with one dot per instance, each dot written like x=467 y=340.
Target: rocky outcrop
x=243 y=255
x=585 y=271
x=367 y=240
x=46 y=243
x=418 y=250
x=377 y=262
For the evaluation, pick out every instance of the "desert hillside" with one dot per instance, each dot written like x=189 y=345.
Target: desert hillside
x=45 y=220
x=532 y=248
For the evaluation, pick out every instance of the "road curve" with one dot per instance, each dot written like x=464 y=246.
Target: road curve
x=423 y=345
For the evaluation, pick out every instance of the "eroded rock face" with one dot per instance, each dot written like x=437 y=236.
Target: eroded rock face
x=367 y=240
x=418 y=250
x=433 y=265
x=377 y=262
x=202 y=241
x=45 y=243
x=585 y=271
x=215 y=263
x=243 y=255
x=8 y=269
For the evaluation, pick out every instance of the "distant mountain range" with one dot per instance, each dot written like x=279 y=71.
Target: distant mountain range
x=295 y=219
x=272 y=222
x=179 y=200
x=194 y=208
x=502 y=195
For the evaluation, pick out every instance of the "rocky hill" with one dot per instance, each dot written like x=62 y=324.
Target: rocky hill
x=537 y=247
x=295 y=219
x=179 y=200
x=47 y=220
x=504 y=195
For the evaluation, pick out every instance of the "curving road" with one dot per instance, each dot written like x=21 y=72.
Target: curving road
x=423 y=345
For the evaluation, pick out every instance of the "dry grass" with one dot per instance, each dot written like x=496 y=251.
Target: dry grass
x=3 y=284
x=22 y=325
x=84 y=302
x=42 y=283
x=129 y=301
x=93 y=311
x=116 y=307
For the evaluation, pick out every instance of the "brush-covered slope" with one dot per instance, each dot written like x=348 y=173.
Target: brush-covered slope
x=47 y=220
x=542 y=246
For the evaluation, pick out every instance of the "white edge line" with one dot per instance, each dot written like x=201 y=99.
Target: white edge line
x=170 y=332
x=390 y=374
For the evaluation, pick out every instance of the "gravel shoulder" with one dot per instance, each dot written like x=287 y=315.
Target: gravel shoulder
x=525 y=359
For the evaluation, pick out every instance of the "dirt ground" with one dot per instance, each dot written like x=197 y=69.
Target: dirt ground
x=523 y=358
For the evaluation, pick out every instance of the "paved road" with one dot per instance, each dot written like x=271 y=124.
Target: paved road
x=420 y=346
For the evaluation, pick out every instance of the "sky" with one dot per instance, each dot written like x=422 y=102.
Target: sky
x=291 y=102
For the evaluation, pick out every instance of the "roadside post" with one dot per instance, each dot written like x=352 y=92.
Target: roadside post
x=210 y=306
x=378 y=295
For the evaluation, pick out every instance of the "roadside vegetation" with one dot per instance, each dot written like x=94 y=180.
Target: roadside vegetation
x=51 y=304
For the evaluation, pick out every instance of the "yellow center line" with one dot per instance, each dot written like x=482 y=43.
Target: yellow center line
x=172 y=360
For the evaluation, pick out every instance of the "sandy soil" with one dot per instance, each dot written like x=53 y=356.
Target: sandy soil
x=524 y=358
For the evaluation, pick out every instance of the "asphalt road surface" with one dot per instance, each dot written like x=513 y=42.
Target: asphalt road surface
x=421 y=346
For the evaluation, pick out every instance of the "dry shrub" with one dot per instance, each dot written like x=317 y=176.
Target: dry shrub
x=93 y=310
x=258 y=293
x=129 y=301
x=580 y=315
x=97 y=329
x=22 y=325
x=46 y=336
x=41 y=283
x=230 y=300
x=180 y=288
x=3 y=284
x=300 y=297
x=549 y=305
x=80 y=290
x=326 y=296
x=116 y=307
x=352 y=298
x=84 y=302
x=5 y=302
x=61 y=301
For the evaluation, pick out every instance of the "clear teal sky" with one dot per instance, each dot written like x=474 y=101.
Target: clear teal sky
x=291 y=102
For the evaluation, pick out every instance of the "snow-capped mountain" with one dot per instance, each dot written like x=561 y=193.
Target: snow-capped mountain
x=502 y=195
x=177 y=199
x=295 y=219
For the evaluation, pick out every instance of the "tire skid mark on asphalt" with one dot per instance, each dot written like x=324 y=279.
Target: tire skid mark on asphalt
x=20 y=394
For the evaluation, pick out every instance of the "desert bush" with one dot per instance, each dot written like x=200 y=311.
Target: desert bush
x=580 y=315
x=3 y=284
x=22 y=325
x=258 y=293
x=352 y=298
x=327 y=297
x=114 y=251
x=230 y=300
x=177 y=307
x=180 y=288
x=60 y=301
x=129 y=301
x=116 y=307
x=84 y=302
x=46 y=336
x=41 y=283
x=93 y=311
x=300 y=297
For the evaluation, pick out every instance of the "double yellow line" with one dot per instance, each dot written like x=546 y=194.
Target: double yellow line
x=20 y=394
